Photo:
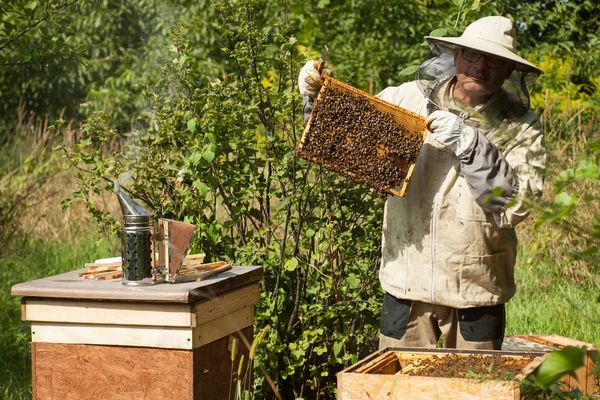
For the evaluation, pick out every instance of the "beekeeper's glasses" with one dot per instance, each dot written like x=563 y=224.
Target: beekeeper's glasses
x=474 y=56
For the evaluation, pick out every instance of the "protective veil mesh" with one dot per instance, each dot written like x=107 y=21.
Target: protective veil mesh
x=438 y=67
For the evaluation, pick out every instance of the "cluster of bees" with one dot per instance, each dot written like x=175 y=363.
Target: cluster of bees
x=349 y=135
x=462 y=366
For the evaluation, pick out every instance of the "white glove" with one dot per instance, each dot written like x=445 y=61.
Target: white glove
x=449 y=130
x=309 y=80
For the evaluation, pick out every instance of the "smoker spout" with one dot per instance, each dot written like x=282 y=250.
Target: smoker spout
x=130 y=207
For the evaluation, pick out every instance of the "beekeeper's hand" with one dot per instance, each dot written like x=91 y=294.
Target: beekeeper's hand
x=449 y=130
x=309 y=80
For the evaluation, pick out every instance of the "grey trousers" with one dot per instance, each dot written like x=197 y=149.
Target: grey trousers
x=406 y=323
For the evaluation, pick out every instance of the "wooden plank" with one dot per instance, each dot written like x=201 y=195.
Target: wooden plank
x=72 y=371
x=197 y=256
x=106 y=266
x=207 y=274
x=353 y=386
x=105 y=312
x=377 y=364
x=163 y=337
x=70 y=286
x=223 y=326
x=105 y=275
x=146 y=314
x=100 y=268
x=112 y=335
x=224 y=304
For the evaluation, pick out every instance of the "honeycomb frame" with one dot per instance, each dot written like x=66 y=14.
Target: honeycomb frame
x=411 y=124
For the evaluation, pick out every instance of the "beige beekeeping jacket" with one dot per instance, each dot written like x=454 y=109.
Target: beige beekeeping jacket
x=445 y=242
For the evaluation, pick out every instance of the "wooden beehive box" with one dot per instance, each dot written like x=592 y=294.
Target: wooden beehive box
x=382 y=376
x=386 y=374
x=363 y=138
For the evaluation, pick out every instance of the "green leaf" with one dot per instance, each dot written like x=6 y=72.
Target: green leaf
x=66 y=203
x=559 y=363
x=209 y=154
x=409 y=70
x=564 y=205
x=439 y=32
x=291 y=264
x=191 y=124
x=212 y=138
x=565 y=200
x=337 y=347
x=202 y=187
x=475 y=5
x=296 y=351
x=323 y=3
x=564 y=179
x=31 y=5
x=588 y=169
x=283 y=204
x=194 y=158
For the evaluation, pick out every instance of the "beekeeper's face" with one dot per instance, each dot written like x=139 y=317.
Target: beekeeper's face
x=479 y=75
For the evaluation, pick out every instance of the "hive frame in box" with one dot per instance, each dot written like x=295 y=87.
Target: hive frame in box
x=408 y=120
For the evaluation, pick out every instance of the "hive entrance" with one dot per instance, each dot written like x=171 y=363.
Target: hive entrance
x=363 y=138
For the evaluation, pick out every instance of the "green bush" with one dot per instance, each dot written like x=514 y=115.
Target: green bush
x=217 y=151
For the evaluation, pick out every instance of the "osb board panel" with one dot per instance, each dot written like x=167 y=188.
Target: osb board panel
x=214 y=371
x=71 y=286
x=353 y=386
x=71 y=371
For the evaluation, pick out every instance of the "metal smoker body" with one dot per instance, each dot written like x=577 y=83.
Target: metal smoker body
x=149 y=253
x=136 y=242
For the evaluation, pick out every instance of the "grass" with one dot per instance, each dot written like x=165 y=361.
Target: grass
x=547 y=303
x=37 y=258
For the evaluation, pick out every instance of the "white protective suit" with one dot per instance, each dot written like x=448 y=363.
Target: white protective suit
x=451 y=239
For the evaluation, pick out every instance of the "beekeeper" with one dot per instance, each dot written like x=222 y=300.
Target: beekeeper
x=449 y=246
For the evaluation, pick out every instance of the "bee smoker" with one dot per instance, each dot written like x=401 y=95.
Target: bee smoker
x=136 y=242
x=149 y=253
